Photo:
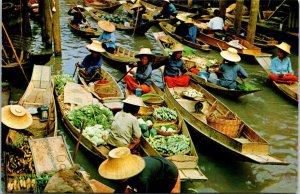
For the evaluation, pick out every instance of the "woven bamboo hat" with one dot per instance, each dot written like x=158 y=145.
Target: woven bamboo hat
x=285 y=47
x=121 y=164
x=96 y=46
x=181 y=17
x=177 y=47
x=16 y=117
x=231 y=55
x=134 y=100
x=168 y=1
x=189 y=21
x=106 y=26
x=144 y=51
x=136 y=6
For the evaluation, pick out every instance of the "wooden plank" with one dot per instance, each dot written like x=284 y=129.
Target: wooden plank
x=265 y=159
x=186 y=174
x=265 y=62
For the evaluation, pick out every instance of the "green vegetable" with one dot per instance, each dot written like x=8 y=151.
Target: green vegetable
x=153 y=132
x=246 y=87
x=144 y=127
x=164 y=114
x=146 y=134
x=60 y=82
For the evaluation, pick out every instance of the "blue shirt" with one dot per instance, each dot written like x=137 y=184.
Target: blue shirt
x=192 y=33
x=173 y=67
x=167 y=11
x=143 y=73
x=90 y=63
x=105 y=36
x=230 y=72
x=284 y=66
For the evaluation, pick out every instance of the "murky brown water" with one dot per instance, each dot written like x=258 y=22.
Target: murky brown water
x=270 y=114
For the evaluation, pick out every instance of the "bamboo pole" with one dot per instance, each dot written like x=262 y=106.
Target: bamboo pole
x=238 y=16
x=252 y=21
x=56 y=30
x=15 y=53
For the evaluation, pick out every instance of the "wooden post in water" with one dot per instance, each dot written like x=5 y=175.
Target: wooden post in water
x=47 y=13
x=251 y=29
x=56 y=30
x=222 y=8
x=238 y=16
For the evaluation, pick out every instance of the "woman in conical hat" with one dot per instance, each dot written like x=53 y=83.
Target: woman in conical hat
x=125 y=130
x=92 y=61
x=168 y=10
x=76 y=12
x=192 y=30
x=141 y=79
x=144 y=175
x=107 y=37
x=228 y=70
x=175 y=67
x=281 y=66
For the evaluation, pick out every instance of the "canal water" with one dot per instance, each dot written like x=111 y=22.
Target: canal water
x=268 y=112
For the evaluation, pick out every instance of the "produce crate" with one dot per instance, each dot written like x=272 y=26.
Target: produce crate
x=157 y=127
x=50 y=154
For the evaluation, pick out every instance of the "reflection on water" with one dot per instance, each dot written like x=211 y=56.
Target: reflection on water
x=271 y=115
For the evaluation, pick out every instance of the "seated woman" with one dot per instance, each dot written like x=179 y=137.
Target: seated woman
x=107 y=37
x=175 y=67
x=125 y=130
x=216 y=23
x=142 y=77
x=229 y=70
x=92 y=61
x=281 y=67
x=78 y=18
x=168 y=10
x=181 y=29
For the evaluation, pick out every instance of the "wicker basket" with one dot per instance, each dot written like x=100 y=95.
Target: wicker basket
x=157 y=127
x=103 y=89
x=226 y=125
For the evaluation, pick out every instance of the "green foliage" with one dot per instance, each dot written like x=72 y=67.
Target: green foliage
x=247 y=87
x=60 y=82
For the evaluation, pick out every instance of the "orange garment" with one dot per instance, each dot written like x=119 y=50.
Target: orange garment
x=177 y=81
x=176 y=188
x=195 y=71
x=288 y=78
x=132 y=84
x=133 y=144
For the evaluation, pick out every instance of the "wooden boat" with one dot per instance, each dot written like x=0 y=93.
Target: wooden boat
x=242 y=46
x=109 y=94
x=169 y=29
x=85 y=32
x=107 y=6
x=187 y=164
x=245 y=143
x=291 y=91
x=219 y=89
x=142 y=29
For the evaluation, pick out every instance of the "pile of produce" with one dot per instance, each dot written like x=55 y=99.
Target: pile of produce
x=170 y=145
x=246 y=87
x=42 y=180
x=165 y=114
x=192 y=93
x=114 y=18
x=146 y=124
x=92 y=114
x=166 y=128
x=60 y=82
x=21 y=183
x=96 y=134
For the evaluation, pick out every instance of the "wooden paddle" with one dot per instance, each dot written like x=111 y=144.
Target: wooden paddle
x=136 y=19
x=78 y=141
x=125 y=74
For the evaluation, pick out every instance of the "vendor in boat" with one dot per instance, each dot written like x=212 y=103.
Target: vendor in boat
x=78 y=18
x=134 y=173
x=175 y=67
x=193 y=30
x=142 y=77
x=181 y=29
x=281 y=67
x=125 y=130
x=168 y=10
x=92 y=61
x=138 y=11
x=216 y=23
x=107 y=37
x=229 y=70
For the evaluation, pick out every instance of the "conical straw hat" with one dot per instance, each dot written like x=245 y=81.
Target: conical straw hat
x=134 y=100
x=189 y=21
x=231 y=55
x=106 y=26
x=144 y=51
x=121 y=164
x=181 y=17
x=177 y=47
x=16 y=117
x=285 y=47
x=96 y=46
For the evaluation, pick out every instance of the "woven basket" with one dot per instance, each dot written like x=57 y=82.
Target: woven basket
x=157 y=127
x=103 y=89
x=226 y=125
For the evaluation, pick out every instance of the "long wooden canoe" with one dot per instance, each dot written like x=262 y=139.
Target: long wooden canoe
x=84 y=32
x=107 y=6
x=169 y=29
x=246 y=145
x=187 y=164
x=291 y=91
